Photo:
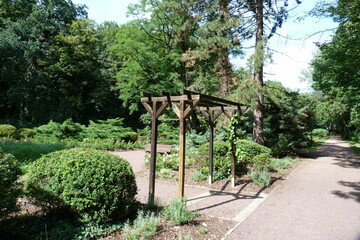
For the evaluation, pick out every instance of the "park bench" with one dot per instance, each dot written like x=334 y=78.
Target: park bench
x=160 y=148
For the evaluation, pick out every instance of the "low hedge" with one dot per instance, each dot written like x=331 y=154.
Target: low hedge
x=92 y=184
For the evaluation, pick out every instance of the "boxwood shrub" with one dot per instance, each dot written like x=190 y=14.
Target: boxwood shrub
x=7 y=131
x=263 y=161
x=222 y=160
x=92 y=184
x=9 y=186
x=247 y=150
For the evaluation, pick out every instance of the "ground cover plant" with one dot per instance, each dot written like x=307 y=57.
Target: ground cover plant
x=177 y=212
x=144 y=226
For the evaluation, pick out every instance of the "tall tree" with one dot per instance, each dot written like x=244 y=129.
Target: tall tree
x=147 y=65
x=216 y=39
x=270 y=12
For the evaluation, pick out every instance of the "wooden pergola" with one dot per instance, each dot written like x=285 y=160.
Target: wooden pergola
x=183 y=105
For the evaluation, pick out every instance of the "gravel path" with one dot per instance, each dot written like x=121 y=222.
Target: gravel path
x=320 y=200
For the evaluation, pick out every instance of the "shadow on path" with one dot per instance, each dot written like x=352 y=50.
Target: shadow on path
x=342 y=154
x=231 y=197
x=353 y=194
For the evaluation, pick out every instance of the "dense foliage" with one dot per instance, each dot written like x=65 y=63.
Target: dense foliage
x=61 y=180
x=54 y=64
x=335 y=71
x=9 y=185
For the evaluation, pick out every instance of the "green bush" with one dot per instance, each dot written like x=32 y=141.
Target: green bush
x=9 y=186
x=247 y=150
x=261 y=161
x=50 y=130
x=221 y=149
x=26 y=133
x=54 y=130
x=221 y=158
x=7 y=131
x=95 y=185
x=320 y=133
x=110 y=129
x=178 y=213
x=69 y=129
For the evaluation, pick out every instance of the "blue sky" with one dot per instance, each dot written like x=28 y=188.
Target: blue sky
x=289 y=56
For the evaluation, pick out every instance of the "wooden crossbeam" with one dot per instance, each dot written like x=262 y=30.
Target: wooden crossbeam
x=210 y=98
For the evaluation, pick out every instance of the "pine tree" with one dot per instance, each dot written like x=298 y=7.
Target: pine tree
x=263 y=11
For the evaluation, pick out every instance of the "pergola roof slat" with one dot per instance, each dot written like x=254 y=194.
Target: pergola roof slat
x=188 y=96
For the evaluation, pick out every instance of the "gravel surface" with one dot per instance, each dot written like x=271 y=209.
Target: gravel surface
x=319 y=200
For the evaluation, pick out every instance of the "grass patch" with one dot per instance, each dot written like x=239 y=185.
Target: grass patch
x=355 y=146
x=177 y=212
x=144 y=226
x=317 y=143
x=27 y=151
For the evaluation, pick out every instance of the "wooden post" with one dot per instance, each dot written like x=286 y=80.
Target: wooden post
x=233 y=163
x=182 y=132
x=154 y=132
x=211 y=149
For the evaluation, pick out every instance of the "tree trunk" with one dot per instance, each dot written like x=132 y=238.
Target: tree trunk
x=225 y=73
x=258 y=125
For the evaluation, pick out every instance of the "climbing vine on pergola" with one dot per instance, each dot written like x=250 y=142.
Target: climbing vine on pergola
x=183 y=105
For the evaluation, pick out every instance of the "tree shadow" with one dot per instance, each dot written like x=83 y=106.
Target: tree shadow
x=238 y=195
x=33 y=226
x=353 y=194
x=343 y=156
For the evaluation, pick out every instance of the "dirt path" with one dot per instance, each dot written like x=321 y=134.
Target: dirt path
x=320 y=200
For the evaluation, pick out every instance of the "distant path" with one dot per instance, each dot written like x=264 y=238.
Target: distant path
x=320 y=200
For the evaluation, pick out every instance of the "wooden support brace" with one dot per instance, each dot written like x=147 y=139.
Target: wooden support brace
x=147 y=107
x=175 y=109
x=190 y=108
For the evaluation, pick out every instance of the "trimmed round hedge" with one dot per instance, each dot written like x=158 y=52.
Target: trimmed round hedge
x=9 y=186
x=95 y=185
x=246 y=150
x=7 y=131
